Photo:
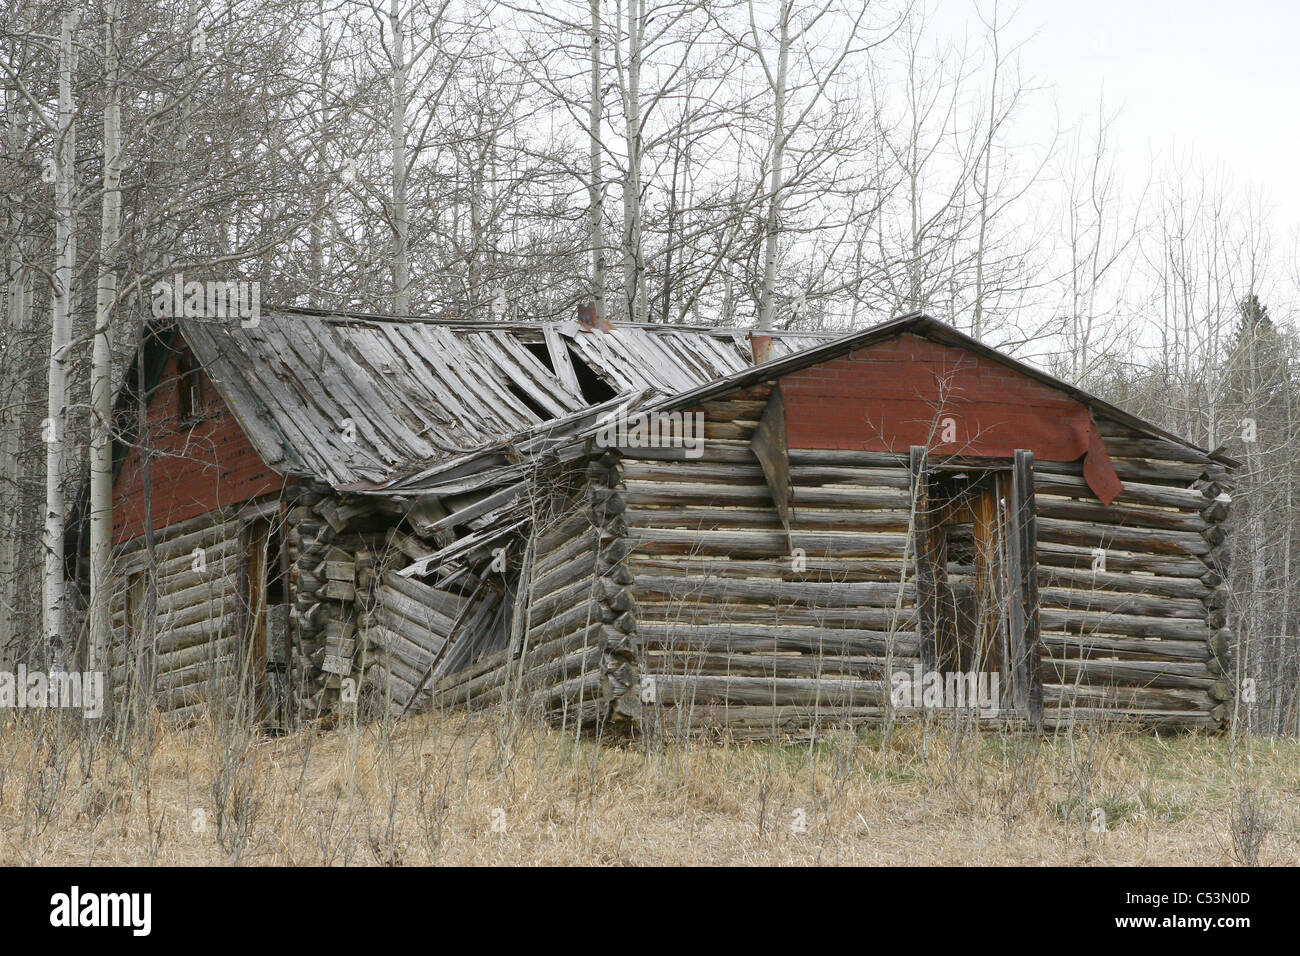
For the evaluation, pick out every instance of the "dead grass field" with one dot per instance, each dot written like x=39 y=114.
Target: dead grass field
x=491 y=790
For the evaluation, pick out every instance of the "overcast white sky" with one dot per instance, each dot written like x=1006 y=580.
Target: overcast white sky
x=1218 y=77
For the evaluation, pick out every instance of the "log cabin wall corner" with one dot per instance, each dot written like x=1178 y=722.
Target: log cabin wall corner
x=1116 y=611
x=215 y=508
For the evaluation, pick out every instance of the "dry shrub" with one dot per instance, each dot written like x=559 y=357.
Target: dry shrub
x=492 y=788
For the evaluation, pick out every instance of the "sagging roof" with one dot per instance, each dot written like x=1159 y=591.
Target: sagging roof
x=500 y=473
x=358 y=400
x=580 y=427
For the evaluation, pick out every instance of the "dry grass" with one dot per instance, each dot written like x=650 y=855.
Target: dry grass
x=486 y=789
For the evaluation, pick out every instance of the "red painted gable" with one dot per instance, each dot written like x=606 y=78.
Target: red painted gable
x=909 y=391
x=195 y=468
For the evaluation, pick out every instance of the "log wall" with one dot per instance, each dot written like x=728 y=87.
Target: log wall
x=731 y=631
x=1145 y=640
x=742 y=627
x=200 y=618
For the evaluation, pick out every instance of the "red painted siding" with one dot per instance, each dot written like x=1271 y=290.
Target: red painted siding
x=904 y=391
x=195 y=468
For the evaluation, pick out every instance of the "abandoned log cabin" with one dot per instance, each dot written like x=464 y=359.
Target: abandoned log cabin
x=667 y=527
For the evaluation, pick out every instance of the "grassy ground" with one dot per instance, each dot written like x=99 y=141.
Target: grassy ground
x=488 y=790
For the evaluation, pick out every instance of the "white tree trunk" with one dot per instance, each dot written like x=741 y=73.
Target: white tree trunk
x=65 y=238
x=101 y=375
x=767 y=299
x=634 y=277
x=15 y=388
x=596 y=186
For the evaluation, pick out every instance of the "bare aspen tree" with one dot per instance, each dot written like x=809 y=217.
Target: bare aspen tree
x=1099 y=230
x=800 y=97
x=630 y=65
x=65 y=241
x=595 y=182
x=14 y=388
x=767 y=301
x=101 y=376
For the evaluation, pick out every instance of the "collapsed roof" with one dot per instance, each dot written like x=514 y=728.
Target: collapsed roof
x=358 y=401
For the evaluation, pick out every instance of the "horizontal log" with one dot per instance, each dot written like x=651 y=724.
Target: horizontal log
x=397 y=652
x=1091 y=645
x=1139 y=540
x=547 y=563
x=766 y=543
x=1130 y=516
x=1167 y=587
x=562 y=528
x=1131 y=469
x=866 y=618
x=1184 y=674
x=1136 y=493
x=1075 y=621
x=644 y=494
x=578 y=673
x=728 y=431
x=765 y=719
x=746 y=472
x=427 y=640
x=769 y=665
x=575 y=618
x=807 y=519
x=1111 y=602
x=1128 y=698
x=209 y=650
x=768 y=637
x=204 y=630
x=419 y=614
x=735 y=409
x=681 y=689
x=201 y=588
x=391 y=688
x=1080 y=557
x=773 y=592
x=544 y=607
x=446 y=603
x=1157 y=449
x=1063 y=718
x=580 y=567
x=224 y=670
x=810 y=569
x=180 y=540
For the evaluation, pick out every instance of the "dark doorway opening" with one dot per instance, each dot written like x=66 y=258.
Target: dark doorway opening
x=977 y=575
x=264 y=649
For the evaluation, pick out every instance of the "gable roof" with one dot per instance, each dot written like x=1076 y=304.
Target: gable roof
x=499 y=474
x=356 y=400
x=927 y=327
x=582 y=426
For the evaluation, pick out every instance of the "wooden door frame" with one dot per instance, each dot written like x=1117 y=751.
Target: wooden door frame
x=1018 y=531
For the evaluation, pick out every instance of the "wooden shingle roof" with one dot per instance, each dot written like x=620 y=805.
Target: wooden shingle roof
x=355 y=401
